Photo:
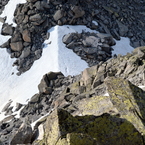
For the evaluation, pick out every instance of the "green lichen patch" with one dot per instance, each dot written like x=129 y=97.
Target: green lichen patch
x=102 y=130
x=129 y=101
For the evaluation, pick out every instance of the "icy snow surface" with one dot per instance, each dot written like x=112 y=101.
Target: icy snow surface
x=122 y=46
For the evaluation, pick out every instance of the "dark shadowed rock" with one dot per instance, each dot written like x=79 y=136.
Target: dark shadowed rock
x=61 y=128
x=18 y=106
x=6 y=44
x=6 y=106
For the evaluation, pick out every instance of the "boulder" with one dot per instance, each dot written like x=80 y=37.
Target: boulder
x=7 y=29
x=37 y=19
x=6 y=44
x=87 y=76
x=2 y=19
x=129 y=100
x=18 y=106
x=63 y=128
x=16 y=37
x=23 y=135
x=16 y=46
x=45 y=85
x=25 y=53
x=107 y=37
x=91 y=41
x=78 y=11
x=58 y=15
x=6 y=106
x=68 y=38
x=26 y=36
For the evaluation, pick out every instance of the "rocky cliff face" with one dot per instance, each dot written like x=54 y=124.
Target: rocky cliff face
x=99 y=106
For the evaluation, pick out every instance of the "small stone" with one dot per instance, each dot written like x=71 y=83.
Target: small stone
x=68 y=38
x=78 y=11
x=58 y=15
x=26 y=36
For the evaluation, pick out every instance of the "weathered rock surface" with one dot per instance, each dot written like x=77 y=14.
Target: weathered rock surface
x=46 y=85
x=7 y=29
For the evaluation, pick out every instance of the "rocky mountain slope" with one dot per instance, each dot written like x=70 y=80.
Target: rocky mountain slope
x=103 y=105
x=34 y=18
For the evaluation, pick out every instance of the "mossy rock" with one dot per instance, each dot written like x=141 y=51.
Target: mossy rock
x=77 y=139
x=62 y=128
x=129 y=100
x=96 y=105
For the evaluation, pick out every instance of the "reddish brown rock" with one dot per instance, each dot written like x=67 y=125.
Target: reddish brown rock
x=16 y=46
x=26 y=36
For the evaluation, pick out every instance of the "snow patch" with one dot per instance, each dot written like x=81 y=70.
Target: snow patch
x=96 y=23
x=122 y=46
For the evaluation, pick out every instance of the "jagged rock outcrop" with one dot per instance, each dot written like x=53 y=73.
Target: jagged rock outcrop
x=103 y=120
x=76 y=109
